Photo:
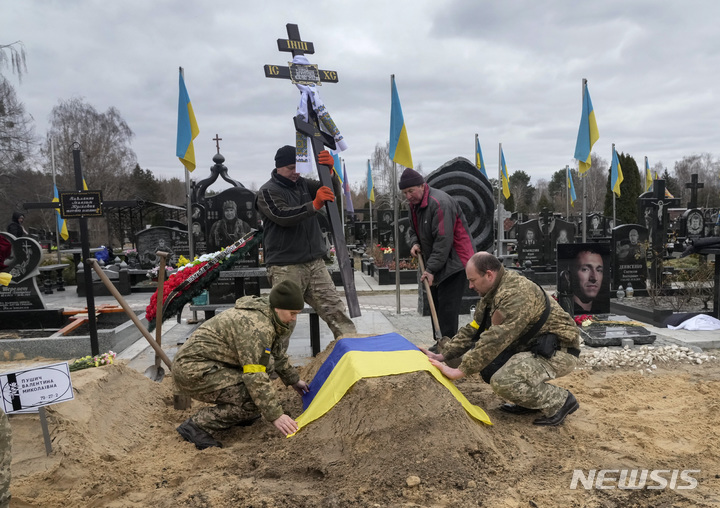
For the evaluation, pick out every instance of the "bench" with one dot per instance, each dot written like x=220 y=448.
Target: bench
x=52 y=276
x=211 y=310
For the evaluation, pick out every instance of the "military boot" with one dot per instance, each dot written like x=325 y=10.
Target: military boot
x=201 y=439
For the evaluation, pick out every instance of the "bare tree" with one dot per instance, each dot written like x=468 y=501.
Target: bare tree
x=595 y=185
x=14 y=54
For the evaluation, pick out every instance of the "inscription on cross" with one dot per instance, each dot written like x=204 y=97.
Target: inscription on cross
x=304 y=74
x=694 y=186
x=319 y=140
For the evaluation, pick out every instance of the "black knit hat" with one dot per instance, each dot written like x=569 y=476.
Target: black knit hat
x=285 y=156
x=286 y=295
x=410 y=178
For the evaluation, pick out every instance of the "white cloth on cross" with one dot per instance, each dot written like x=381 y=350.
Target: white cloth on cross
x=310 y=96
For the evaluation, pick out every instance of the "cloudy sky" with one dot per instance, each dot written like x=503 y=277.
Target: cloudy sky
x=509 y=71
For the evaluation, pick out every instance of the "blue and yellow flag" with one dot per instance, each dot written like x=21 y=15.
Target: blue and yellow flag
x=616 y=176
x=479 y=162
x=648 y=176
x=587 y=133
x=399 y=143
x=504 y=174
x=187 y=128
x=370 y=185
x=337 y=165
x=346 y=190
x=571 y=186
x=355 y=358
x=61 y=223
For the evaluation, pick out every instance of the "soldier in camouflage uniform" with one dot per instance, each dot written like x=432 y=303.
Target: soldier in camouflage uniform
x=514 y=304
x=5 y=459
x=224 y=362
x=293 y=245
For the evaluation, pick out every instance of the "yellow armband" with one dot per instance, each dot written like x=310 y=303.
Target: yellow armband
x=253 y=368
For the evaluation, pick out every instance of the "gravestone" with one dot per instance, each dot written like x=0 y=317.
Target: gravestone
x=653 y=211
x=198 y=229
x=583 y=277
x=561 y=232
x=230 y=215
x=530 y=243
x=629 y=256
x=161 y=238
x=712 y=221
x=361 y=232
x=604 y=335
x=692 y=224
x=21 y=303
x=596 y=225
x=386 y=228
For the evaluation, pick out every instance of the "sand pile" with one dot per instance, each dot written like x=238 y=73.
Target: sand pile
x=392 y=441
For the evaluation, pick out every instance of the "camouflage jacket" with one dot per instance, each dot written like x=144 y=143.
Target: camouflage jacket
x=234 y=347
x=521 y=302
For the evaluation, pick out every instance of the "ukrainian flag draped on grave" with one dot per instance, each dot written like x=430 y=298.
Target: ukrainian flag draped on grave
x=571 y=186
x=370 y=185
x=505 y=177
x=616 y=174
x=399 y=143
x=187 y=128
x=587 y=133
x=479 y=162
x=61 y=223
x=355 y=358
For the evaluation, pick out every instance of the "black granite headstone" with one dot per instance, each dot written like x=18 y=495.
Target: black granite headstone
x=230 y=215
x=530 y=243
x=629 y=256
x=22 y=264
x=161 y=238
x=596 y=226
x=561 y=232
x=692 y=224
x=583 y=271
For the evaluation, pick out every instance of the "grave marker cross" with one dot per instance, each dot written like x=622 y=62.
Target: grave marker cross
x=319 y=140
x=659 y=204
x=217 y=140
x=694 y=185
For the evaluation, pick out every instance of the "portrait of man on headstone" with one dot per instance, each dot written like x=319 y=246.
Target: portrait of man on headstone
x=584 y=272
x=228 y=229
x=530 y=237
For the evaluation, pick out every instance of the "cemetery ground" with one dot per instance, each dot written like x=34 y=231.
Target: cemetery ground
x=393 y=441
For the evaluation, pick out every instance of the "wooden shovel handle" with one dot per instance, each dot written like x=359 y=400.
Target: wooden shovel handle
x=433 y=313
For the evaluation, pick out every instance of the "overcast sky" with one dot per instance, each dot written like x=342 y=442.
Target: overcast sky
x=509 y=71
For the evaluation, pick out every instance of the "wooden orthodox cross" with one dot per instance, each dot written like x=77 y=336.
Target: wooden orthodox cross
x=306 y=74
x=694 y=185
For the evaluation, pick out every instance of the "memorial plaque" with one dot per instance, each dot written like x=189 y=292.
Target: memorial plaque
x=304 y=74
x=584 y=273
x=530 y=243
x=81 y=204
x=629 y=256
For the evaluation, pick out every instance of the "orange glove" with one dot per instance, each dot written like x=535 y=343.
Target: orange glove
x=323 y=194
x=326 y=159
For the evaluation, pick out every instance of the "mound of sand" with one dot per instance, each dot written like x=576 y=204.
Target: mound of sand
x=392 y=441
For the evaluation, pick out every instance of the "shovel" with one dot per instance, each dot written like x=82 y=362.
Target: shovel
x=156 y=372
x=433 y=313
x=113 y=291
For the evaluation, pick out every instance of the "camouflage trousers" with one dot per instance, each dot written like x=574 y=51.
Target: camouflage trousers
x=5 y=459
x=233 y=406
x=523 y=380
x=318 y=291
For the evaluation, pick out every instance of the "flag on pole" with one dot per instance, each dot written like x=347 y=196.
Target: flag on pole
x=505 y=177
x=61 y=223
x=338 y=165
x=587 y=133
x=571 y=186
x=479 y=162
x=399 y=143
x=648 y=176
x=187 y=128
x=616 y=177
x=370 y=185
x=346 y=190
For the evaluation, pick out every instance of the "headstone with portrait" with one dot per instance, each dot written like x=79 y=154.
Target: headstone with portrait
x=161 y=238
x=596 y=225
x=561 y=232
x=361 y=232
x=198 y=229
x=629 y=256
x=692 y=224
x=530 y=243
x=386 y=231
x=22 y=263
x=584 y=277
x=229 y=215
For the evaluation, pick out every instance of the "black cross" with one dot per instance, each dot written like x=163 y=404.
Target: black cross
x=319 y=140
x=694 y=185
x=657 y=206
x=217 y=140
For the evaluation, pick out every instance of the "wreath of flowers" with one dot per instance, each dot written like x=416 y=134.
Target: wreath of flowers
x=195 y=276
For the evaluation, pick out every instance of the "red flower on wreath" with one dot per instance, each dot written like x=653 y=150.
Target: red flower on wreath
x=171 y=283
x=579 y=320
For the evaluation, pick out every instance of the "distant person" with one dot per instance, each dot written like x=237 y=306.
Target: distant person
x=224 y=362
x=293 y=243
x=586 y=281
x=227 y=230
x=440 y=234
x=519 y=340
x=16 y=227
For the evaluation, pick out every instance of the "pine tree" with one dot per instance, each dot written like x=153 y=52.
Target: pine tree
x=630 y=190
